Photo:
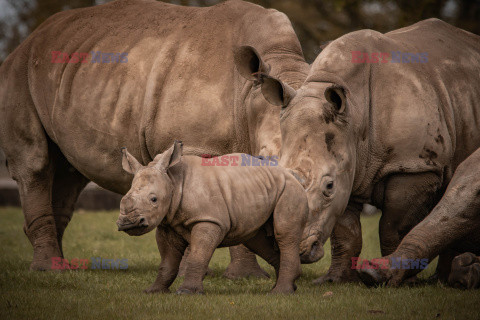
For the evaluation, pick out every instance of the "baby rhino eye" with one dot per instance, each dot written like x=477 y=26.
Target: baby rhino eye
x=153 y=199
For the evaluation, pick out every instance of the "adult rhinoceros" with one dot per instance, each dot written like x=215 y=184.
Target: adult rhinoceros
x=63 y=124
x=389 y=131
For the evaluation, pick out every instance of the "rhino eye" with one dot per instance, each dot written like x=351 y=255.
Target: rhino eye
x=153 y=199
x=328 y=187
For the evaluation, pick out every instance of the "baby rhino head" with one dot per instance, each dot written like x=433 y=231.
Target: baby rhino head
x=149 y=199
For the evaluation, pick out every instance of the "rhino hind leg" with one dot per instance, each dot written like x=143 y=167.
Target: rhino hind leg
x=31 y=166
x=264 y=246
x=68 y=183
x=243 y=264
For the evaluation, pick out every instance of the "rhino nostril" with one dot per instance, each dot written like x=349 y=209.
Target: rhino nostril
x=142 y=222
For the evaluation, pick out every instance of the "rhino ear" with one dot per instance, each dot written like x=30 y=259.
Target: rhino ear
x=336 y=96
x=249 y=64
x=176 y=154
x=276 y=92
x=129 y=163
x=170 y=157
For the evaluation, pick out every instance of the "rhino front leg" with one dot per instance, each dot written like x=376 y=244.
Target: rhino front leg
x=171 y=248
x=346 y=242
x=204 y=239
x=444 y=265
x=407 y=199
x=454 y=218
x=183 y=265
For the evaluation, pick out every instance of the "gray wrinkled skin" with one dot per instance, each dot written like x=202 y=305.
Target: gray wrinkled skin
x=63 y=124
x=451 y=230
x=390 y=134
x=211 y=206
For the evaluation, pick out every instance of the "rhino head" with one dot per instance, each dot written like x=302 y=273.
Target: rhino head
x=319 y=141
x=317 y=146
x=151 y=196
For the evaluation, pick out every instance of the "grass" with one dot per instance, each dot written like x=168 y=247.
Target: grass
x=117 y=294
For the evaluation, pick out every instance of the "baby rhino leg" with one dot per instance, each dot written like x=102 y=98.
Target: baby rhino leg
x=204 y=239
x=264 y=246
x=171 y=248
x=288 y=222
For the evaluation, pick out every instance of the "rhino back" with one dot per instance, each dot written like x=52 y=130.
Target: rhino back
x=451 y=78
x=178 y=83
x=239 y=198
x=419 y=117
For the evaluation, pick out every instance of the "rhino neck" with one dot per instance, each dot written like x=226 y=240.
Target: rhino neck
x=288 y=66
x=265 y=136
x=271 y=33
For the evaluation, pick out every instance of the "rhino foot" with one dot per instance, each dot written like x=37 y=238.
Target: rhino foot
x=371 y=277
x=42 y=265
x=189 y=291
x=288 y=289
x=331 y=277
x=465 y=272
x=154 y=289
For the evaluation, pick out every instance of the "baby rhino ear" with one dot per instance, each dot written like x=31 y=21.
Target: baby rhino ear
x=129 y=163
x=170 y=157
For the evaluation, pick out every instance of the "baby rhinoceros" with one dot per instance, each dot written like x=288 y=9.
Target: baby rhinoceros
x=214 y=206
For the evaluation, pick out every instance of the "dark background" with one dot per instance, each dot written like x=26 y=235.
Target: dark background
x=315 y=21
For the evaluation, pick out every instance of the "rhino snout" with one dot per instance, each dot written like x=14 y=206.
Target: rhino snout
x=311 y=250
x=126 y=224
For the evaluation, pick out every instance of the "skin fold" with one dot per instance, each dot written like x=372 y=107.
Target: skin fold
x=213 y=206
x=63 y=124
x=387 y=133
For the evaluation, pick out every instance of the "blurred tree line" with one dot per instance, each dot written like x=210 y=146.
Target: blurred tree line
x=315 y=21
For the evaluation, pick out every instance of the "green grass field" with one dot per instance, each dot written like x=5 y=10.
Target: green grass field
x=117 y=294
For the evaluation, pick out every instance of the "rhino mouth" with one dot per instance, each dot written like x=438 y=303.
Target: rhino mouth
x=136 y=228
